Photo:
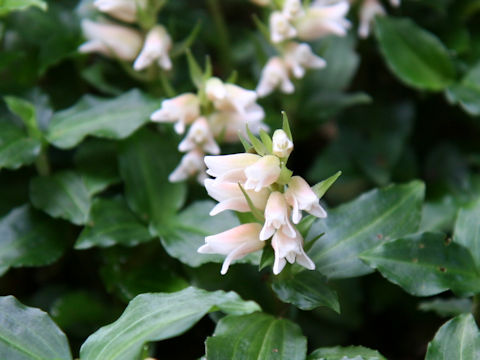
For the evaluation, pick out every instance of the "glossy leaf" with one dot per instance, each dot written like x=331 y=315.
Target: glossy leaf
x=154 y=317
x=414 y=55
x=106 y=118
x=447 y=307
x=62 y=195
x=306 y=290
x=29 y=238
x=256 y=336
x=346 y=353
x=467 y=229
x=426 y=264
x=456 y=339
x=111 y=222
x=7 y=6
x=467 y=92
x=29 y=333
x=16 y=148
x=374 y=217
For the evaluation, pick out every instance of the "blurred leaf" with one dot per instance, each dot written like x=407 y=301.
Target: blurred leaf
x=306 y=290
x=114 y=118
x=447 y=307
x=95 y=76
x=16 y=148
x=26 y=112
x=154 y=317
x=439 y=215
x=467 y=229
x=256 y=336
x=426 y=264
x=62 y=195
x=377 y=216
x=7 y=6
x=456 y=339
x=345 y=353
x=326 y=104
x=29 y=238
x=29 y=333
x=467 y=92
x=145 y=161
x=414 y=55
x=111 y=222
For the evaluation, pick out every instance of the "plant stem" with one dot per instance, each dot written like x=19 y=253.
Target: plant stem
x=222 y=33
x=42 y=164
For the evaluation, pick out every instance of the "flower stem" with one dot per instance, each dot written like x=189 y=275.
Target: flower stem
x=222 y=33
x=41 y=163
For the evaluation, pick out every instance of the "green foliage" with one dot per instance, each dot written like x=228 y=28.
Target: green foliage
x=344 y=353
x=16 y=148
x=7 y=6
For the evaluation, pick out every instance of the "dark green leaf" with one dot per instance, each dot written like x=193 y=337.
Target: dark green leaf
x=16 y=148
x=467 y=92
x=447 y=307
x=467 y=229
x=346 y=353
x=26 y=112
x=256 y=336
x=426 y=264
x=154 y=317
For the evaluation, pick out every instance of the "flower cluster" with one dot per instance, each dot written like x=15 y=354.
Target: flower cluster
x=218 y=112
x=143 y=48
x=293 y=20
x=261 y=183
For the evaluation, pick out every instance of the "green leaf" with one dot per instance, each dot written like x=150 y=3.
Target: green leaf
x=346 y=353
x=306 y=290
x=16 y=148
x=62 y=195
x=374 y=217
x=256 y=336
x=414 y=55
x=111 y=223
x=467 y=229
x=145 y=161
x=154 y=317
x=196 y=73
x=114 y=118
x=258 y=214
x=456 y=339
x=467 y=92
x=29 y=238
x=447 y=307
x=266 y=140
x=188 y=232
x=25 y=111
x=29 y=333
x=426 y=264
x=321 y=188
x=7 y=6
x=257 y=144
x=286 y=125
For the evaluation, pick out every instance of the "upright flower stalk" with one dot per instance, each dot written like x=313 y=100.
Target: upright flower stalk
x=258 y=181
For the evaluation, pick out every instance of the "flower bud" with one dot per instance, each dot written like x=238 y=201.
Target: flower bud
x=190 y=165
x=282 y=145
x=230 y=167
x=289 y=249
x=235 y=243
x=274 y=75
x=181 y=110
x=368 y=11
x=124 y=10
x=199 y=135
x=300 y=196
x=156 y=48
x=111 y=40
x=280 y=27
x=299 y=57
x=264 y=172
x=276 y=217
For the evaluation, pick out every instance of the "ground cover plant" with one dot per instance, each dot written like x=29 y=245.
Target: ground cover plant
x=264 y=179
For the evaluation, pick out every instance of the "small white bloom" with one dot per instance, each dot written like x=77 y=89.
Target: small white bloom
x=280 y=27
x=368 y=11
x=261 y=2
x=323 y=19
x=199 y=135
x=282 y=145
x=289 y=249
x=190 y=165
x=264 y=172
x=181 y=110
x=276 y=217
x=156 y=48
x=230 y=167
x=300 y=196
x=230 y=196
x=395 y=3
x=111 y=40
x=230 y=97
x=274 y=75
x=299 y=57
x=124 y=10
x=292 y=9
x=215 y=89
x=235 y=243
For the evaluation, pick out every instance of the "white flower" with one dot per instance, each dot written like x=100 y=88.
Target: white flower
x=300 y=196
x=322 y=19
x=111 y=40
x=264 y=172
x=230 y=167
x=276 y=217
x=292 y=9
x=181 y=110
x=280 y=27
x=156 y=48
x=368 y=11
x=229 y=97
x=261 y=2
x=282 y=145
x=235 y=243
x=291 y=250
x=395 y=3
x=190 y=165
x=274 y=75
x=230 y=196
x=299 y=57
x=124 y=10
x=199 y=135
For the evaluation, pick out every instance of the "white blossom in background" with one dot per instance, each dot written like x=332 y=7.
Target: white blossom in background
x=368 y=10
x=261 y=2
x=280 y=27
x=155 y=49
x=111 y=40
x=264 y=186
x=199 y=135
x=395 y=3
x=181 y=110
x=299 y=57
x=191 y=165
x=124 y=10
x=228 y=124
x=230 y=97
x=274 y=75
x=292 y=9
